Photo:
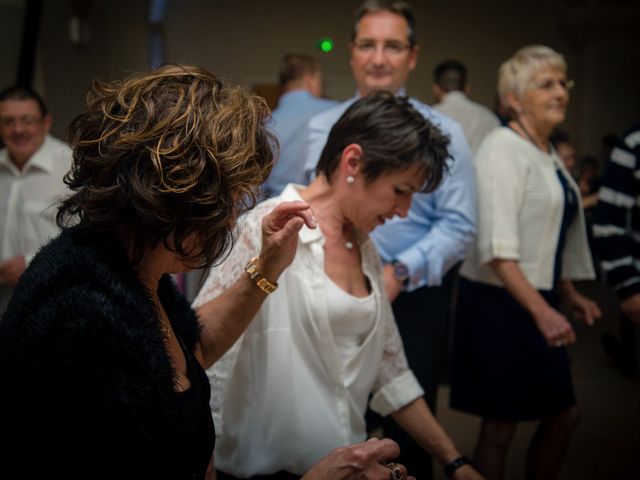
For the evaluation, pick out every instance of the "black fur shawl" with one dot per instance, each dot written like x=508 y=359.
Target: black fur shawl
x=87 y=384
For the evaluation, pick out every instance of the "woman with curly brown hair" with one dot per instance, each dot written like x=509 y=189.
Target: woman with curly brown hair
x=103 y=360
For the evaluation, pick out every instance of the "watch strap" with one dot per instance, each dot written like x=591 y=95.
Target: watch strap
x=258 y=278
x=452 y=466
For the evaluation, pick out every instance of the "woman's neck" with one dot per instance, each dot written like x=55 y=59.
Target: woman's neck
x=326 y=203
x=154 y=264
x=536 y=134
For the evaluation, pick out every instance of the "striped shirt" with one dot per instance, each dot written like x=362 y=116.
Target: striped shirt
x=616 y=228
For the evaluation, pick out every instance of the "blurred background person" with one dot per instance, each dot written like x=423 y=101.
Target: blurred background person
x=510 y=360
x=565 y=149
x=32 y=167
x=298 y=383
x=300 y=79
x=607 y=143
x=585 y=173
x=616 y=232
x=588 y=179
x=451 y=90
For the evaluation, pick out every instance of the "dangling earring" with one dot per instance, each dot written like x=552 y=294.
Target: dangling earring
x=350 y=179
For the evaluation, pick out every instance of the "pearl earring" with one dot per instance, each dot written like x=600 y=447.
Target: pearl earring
x=350 y=179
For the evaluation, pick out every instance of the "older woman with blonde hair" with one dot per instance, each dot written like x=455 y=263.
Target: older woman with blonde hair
x=510 y=359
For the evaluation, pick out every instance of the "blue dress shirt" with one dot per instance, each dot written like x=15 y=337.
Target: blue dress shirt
x=440 y=225
x=289 y=119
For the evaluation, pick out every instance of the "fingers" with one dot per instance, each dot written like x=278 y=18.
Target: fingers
x=596 y=312
x=560 y=332
x=567 y=337
x=589 y=312
x=382 y=450
x=588 y=316
x=292 y=227
x=288 y=210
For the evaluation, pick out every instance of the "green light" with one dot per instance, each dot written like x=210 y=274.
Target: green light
x=326 y=45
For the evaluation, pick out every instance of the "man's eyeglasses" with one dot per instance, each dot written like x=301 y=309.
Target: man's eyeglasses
x=549 y=84
x=390 y=49
x=27 y=121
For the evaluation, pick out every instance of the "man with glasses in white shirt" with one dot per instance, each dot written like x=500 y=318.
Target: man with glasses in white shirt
x=420 y=249
x=32 y=167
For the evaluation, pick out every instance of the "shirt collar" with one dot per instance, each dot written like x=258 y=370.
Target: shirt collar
x=40 y=160
x=400 y=93
x=293 y=96
x=454 y=94
x=306 y=234
x=4 y=159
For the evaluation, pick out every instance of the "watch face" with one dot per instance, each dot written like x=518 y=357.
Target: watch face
x=400 y=271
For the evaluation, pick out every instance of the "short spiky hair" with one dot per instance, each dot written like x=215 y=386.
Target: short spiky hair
x=450 y=75
x=398 y=7
x=21 y=92
x=169 y=156
x=393 y=136
x=294 y=66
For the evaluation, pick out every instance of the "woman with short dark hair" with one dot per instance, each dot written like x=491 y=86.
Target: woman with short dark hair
x=297 y=384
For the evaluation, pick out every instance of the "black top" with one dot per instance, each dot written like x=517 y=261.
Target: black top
x=88 y=386
x=194 y=432
x=569 y=211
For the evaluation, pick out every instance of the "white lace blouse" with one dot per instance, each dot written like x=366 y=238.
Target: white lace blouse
x=282 y=397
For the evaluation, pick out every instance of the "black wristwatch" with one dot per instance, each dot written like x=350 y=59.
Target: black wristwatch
x=400 y=271
x=452 y=466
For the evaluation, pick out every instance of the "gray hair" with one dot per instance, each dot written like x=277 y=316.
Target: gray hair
x=515 y=74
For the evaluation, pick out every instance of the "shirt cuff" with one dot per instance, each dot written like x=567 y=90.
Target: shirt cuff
x=418 y=269
x=398 y=393
x=501 y=249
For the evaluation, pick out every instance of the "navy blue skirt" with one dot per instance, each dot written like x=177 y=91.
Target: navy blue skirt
x=502 y=367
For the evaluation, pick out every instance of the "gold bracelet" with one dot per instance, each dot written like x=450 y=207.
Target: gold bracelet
x=256 y=275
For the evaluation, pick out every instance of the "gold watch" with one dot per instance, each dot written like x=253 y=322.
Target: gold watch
x=259 y=279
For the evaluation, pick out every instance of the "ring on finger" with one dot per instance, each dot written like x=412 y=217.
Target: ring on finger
x=396 y=472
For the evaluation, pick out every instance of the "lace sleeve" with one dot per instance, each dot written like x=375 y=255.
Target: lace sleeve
x=394 y=361
x=247 y=245
x=219 y=375
x=221 y=277
x=396 y=385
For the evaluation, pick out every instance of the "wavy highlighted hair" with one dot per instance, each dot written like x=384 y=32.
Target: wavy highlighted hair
x=172 y=156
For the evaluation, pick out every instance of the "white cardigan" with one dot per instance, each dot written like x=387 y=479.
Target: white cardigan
x=281 y=398
x=520 y=207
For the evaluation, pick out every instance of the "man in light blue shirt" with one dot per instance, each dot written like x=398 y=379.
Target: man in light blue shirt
x=301 y=82
x=421 y=249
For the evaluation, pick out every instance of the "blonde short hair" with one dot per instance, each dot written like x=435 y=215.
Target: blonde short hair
x=516 y=73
